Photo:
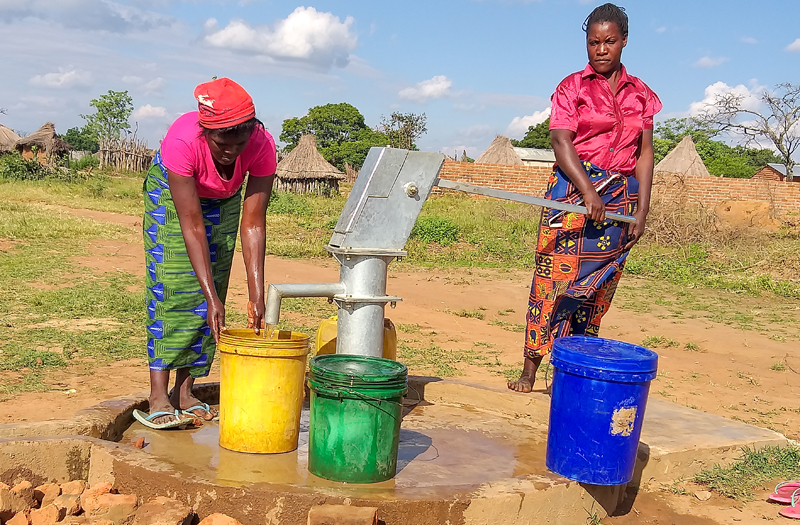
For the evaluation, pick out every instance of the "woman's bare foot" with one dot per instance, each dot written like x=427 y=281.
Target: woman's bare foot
x=159 y=400
x=183 y=398
x=525 y=382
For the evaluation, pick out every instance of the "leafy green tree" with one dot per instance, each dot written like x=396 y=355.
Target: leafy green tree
x=720 y=159
x=403 y=129
x=537 y=136
x=341 y=133
x=111 y=115
x=82 y=139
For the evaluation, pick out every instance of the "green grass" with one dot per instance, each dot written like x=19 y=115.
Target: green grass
x=778 y=367
x=441 y=362
x=752 y=470
x=505 y=325
x=472 y=314
x=54 y=312
x=653 y=342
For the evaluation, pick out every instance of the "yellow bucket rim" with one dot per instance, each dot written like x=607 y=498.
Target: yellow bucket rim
x=243 y=341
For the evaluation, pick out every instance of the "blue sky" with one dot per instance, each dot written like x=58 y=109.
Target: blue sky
x=477 y=68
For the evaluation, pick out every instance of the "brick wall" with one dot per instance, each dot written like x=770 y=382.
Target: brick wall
x=767 y=173
x=709 y=191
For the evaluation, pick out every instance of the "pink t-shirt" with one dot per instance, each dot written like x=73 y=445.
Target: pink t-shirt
x=607 y=126
x=186 y=153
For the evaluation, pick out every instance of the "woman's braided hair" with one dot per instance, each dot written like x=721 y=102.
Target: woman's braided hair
x=608 y=13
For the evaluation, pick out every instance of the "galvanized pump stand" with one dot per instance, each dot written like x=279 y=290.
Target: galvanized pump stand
x=372 y=230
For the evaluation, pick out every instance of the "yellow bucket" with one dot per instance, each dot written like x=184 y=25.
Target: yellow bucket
x=326 y=338
x=261 y=390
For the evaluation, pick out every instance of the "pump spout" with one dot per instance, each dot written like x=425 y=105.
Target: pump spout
x=276 y=292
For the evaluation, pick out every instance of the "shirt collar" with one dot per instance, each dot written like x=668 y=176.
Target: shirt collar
x=589 y=71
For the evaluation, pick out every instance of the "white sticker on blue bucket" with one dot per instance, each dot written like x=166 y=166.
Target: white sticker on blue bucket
x=622 y=421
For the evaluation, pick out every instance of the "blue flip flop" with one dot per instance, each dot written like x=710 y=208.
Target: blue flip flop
x=147 y=419
x=201 y=406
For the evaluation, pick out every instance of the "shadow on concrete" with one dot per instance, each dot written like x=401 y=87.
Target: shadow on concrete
x=412 y=445
x=618 y=500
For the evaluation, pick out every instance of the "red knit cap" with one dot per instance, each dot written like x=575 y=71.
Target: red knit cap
x=222 y=103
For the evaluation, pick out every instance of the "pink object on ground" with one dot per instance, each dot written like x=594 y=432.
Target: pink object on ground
x=783 y=492
x=793 y=511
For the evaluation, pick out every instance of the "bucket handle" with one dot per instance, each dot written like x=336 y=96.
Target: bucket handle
x=337 y=392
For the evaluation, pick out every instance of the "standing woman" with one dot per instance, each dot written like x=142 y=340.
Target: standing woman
x=601 y=128
x=192 y=198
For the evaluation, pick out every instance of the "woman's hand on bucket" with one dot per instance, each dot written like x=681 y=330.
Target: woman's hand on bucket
x=255 y=315
x=216 y=317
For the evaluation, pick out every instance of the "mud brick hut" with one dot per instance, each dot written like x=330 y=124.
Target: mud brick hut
x=305 y=170
x=44 y=145
x=776 y=172
x=8 y=139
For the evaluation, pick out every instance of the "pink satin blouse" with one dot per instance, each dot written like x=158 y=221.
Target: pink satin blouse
x=607 y=127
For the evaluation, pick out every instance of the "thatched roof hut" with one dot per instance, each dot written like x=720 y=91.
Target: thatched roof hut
x=8 y=139
x=500 y=151
x=683 y=160
x=46 y=143
x=305 y=170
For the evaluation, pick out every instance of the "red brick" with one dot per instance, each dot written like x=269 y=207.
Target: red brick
x=114 y=507
x=71 y=503
x=47 y=515
x=76 y=487
x=47 y=493
x=162 y=511
x=219 y=519
x=25 y=491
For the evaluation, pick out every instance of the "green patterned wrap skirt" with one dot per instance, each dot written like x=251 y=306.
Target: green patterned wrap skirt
x=178 y=335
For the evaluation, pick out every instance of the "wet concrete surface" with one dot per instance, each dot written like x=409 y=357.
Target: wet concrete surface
x=444 y=451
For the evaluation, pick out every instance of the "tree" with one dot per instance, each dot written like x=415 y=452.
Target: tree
x=330 y=124
x=342 y=136
x=778 y=123
x=403 y=129
x=82 y=139
x=720 y=159
x=110 y=119
x=537 y=136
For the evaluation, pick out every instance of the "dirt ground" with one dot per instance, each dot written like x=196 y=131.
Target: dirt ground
x=725 y=369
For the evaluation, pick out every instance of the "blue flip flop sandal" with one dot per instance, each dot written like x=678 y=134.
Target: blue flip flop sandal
x=147 y=419
x=201 y=406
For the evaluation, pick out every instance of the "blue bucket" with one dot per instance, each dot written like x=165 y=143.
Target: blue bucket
x=599 y=395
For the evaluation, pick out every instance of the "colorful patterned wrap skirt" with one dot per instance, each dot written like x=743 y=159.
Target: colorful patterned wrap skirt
x=177 y=333
x=578 y=261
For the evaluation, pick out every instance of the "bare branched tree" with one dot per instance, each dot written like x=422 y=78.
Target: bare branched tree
x=778 y=123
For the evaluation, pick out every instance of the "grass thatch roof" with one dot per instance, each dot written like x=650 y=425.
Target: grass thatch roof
x=500 y=151
x=305 y=162
x=8 y=139
x=46 y=139
x=683 y=160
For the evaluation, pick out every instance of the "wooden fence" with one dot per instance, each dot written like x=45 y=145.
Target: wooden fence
x=125 y=154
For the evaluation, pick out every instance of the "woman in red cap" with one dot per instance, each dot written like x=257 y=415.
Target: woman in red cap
x=192 y=197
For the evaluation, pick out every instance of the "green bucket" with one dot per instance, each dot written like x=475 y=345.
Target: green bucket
x=356 y=411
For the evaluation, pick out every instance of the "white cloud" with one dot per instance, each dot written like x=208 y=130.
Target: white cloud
x=433 y=88
x=306 y=35
x=152 y=87
x=64 y=78
x=92 y=15
x=794 y=47
x=661 y=29
x=749 y=40
x=751 y=97
x=150 y=112
x=709 y=62
x=519 y=126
